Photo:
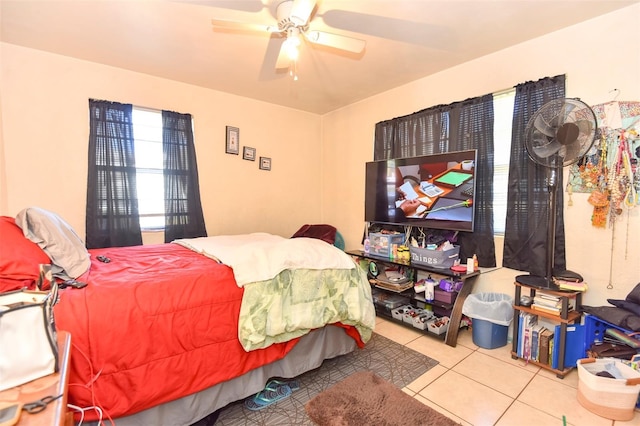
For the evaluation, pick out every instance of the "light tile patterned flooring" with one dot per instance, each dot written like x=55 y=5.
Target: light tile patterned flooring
x=486 y=387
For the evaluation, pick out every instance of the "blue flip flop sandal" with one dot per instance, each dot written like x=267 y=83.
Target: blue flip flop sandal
x=267 y=396
x=292 y=383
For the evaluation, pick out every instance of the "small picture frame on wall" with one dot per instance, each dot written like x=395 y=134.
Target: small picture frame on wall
x=233 y=140
x=249 y=153
x=265 y=163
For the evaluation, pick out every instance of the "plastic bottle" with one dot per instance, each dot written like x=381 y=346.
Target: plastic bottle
x=429 y=291
x=475 y=262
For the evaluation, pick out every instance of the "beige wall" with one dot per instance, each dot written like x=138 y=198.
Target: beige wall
x=590 y=54
x=44 y=129
x=45 y=132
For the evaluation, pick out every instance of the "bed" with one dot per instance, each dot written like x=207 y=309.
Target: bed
x=168 y=333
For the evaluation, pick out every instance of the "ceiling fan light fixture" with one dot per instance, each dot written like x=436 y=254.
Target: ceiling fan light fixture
x=292 y=43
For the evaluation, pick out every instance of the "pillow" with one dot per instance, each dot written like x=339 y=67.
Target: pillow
x=19 y=257
x=634 y=295
x=626 y=305
x=325 y=233
x=68 y=253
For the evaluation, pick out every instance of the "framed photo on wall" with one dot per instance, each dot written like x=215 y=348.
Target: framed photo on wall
x=233 y=140
x=249 y=153
x=265 y=163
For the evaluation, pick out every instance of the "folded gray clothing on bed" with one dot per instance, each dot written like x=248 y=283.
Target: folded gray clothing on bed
x=616 y=316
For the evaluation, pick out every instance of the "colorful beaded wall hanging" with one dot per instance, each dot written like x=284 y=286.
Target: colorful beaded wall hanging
x=611 y=169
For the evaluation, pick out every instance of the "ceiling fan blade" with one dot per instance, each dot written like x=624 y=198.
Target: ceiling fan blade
x=405 y=31
x=244 y=5
x=270 y=59
x=349 y=44
x=242 y=26
x=301 y=11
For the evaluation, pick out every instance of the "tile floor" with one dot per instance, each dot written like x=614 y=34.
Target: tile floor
x=483 y=387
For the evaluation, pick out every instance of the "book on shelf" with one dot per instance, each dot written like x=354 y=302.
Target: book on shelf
x=546 y=309
x=535 y=341
x=527 y=322
x=543 y=300
x=543 y=352
x=542 y=295
x=571 y=285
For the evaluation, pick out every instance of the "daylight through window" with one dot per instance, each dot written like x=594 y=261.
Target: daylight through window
x=503 y=119
x=147 y=132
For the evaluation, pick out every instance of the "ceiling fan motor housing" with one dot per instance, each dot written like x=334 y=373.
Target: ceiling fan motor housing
x=288 y=20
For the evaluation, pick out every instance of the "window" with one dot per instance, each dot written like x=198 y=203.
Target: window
x=147 y=133
x=503 y=119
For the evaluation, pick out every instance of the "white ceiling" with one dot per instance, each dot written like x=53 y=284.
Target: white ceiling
x=406 y=40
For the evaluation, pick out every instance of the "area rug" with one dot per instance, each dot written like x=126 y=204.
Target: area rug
x=366 y=399
x=389 y=360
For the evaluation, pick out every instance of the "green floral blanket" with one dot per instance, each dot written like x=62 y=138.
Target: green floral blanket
x=297 y=301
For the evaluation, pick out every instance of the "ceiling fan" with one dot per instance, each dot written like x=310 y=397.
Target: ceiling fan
x=292 y=25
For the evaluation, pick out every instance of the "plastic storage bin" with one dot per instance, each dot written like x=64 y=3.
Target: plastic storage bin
x=381 y=245
x=434 y=258
x=488 y=335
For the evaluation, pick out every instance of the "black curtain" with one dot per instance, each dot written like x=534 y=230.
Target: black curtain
x=112 y=205
x=183 y=209
x=525 y=242
x=443 y=128
x=472 y=128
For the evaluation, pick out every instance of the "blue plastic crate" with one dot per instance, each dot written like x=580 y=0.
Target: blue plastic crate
x=595 y=329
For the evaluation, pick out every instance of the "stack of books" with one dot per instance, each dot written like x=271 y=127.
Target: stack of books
x=571 y=285
x=548 y=303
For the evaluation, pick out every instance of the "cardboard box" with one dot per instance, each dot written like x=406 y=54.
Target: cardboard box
x=381 y=245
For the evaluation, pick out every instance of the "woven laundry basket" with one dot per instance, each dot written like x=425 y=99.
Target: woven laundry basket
x=607 y=397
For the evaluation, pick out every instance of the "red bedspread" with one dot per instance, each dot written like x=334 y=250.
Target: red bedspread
x=156 y=323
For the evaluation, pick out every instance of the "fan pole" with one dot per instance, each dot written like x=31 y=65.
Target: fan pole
x=546 y=282
x=551 y=230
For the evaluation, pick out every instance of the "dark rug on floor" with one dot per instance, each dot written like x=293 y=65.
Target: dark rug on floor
x=389 y=360
x=366 y=399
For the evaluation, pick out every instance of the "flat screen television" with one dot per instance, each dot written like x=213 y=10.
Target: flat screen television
x=432 y=191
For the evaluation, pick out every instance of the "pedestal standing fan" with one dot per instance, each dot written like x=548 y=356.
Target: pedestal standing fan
x=559 y=134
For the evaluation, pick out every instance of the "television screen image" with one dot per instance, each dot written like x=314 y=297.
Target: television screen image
x=432 y=191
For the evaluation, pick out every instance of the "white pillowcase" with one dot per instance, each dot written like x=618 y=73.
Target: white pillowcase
x=57 y=238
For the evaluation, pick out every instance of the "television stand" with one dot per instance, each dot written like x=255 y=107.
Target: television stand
x=455 y=317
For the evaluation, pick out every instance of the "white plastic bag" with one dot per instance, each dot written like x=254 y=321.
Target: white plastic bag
x=496 y=308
